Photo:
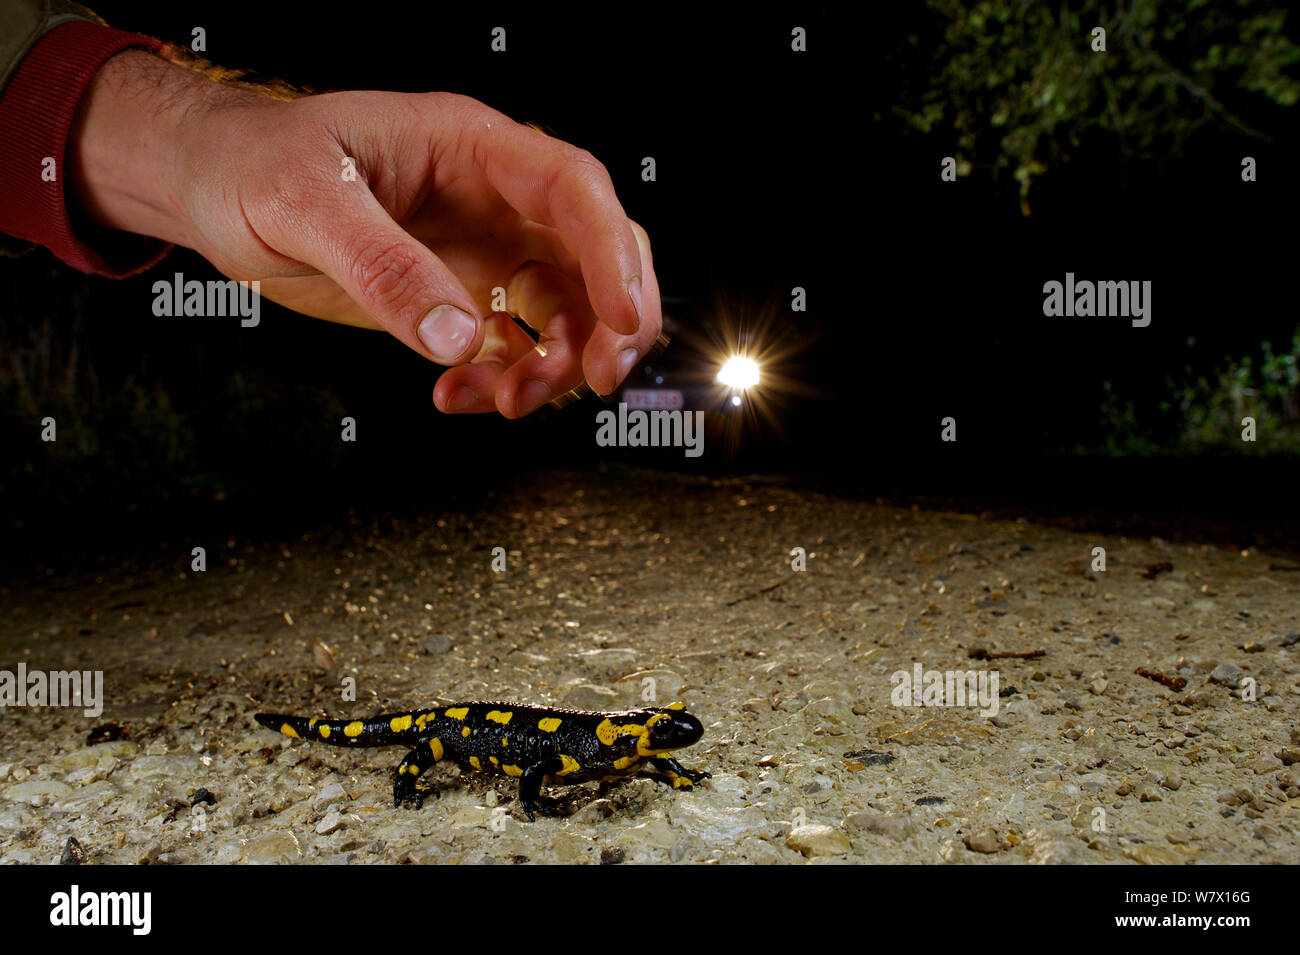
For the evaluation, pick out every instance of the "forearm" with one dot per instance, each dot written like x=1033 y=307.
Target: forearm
x=129 y=140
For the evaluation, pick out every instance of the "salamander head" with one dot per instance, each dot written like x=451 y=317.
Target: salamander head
x=669 y=727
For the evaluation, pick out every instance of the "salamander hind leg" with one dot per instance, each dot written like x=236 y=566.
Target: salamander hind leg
x=531 y=800
x=409 y=770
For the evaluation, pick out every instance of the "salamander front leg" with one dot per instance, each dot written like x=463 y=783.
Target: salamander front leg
x=673 y=773
x=409 y=770
x=530 y=787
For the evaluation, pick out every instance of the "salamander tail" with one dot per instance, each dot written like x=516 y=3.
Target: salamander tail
x=379 y=731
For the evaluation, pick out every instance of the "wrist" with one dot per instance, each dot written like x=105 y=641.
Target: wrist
x=128 y=140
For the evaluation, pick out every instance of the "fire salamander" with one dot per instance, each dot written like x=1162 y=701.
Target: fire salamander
x=533 y=743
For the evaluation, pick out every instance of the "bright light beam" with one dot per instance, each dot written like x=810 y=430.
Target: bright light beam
x=739 y=372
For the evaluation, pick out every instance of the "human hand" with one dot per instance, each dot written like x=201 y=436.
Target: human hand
x=450 y=200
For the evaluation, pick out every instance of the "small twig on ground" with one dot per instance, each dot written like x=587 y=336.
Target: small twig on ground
x=979 y=653
x=1174 y=683
x=756 y=593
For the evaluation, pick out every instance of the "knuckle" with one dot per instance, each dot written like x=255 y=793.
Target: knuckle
x=578 y=167
x=383 y=270
x=583 y=165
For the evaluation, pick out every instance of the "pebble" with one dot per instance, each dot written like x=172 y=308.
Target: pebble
x=821 y=689
x=1154 y=855
x=584 y=696
x=1047 y=849
x=656 y=833
x=814 y=840
x=328 y=795
x=37 y=792
x=757 y=705
x=92 y=755
x=1227 y=675
x=1267 y=833
x=894 y=826
x=73 y=853
x=593 y=812
x=610 y=662
x=274 y=848
x=1289 y=755
x=984 y=840
x=143 y=768
x=828 y=710
x=87 y=798
x=437 y=643
x=333 y=821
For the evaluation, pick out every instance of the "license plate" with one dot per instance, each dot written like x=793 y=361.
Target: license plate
x=653 y=399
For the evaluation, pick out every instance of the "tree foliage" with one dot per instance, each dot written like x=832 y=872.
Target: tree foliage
x=1019 y=83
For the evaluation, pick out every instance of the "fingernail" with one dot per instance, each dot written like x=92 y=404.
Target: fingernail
x=634 y=293
x=532 y=393
x=447 y=332
x=626 y=359
x=461 y=398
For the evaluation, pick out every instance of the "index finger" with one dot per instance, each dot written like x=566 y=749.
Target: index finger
x=559 y=185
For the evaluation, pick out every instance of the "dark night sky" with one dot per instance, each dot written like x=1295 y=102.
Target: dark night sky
x=925 y=297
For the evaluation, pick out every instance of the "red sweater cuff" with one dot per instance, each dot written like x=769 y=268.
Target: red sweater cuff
x=37 y=108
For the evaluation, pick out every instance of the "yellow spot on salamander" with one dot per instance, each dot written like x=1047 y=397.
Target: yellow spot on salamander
x=607 y=732
x=400 y=724
x=623 y=762
x=288 y=730
x=548 y=724
x=473 y=761
x=353 y=729
x=681 y=782
x=435 y=747
x=458 y=712
x=499 y=716
x=311 y=724
x=505 y=741
x=465 y=731
x=643 y=744
x=570 y=765
x=676 y=706
x=513 y=770
x=324 y=731
x=494 y=761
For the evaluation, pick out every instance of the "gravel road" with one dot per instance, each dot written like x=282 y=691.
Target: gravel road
x=641 y=584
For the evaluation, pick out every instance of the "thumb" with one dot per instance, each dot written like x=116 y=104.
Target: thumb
x=397 y=281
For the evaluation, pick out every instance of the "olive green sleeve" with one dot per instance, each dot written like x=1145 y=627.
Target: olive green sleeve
x=23 y=22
